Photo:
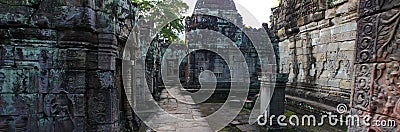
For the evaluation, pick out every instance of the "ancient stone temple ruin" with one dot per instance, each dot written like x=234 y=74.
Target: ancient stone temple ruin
x=60 y=65
x=206 y=18
x=61 y=60
x=316 y=44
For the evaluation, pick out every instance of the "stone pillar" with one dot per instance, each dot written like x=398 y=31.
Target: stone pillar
x=58 y=64
x=376 y=86
x=277 y=105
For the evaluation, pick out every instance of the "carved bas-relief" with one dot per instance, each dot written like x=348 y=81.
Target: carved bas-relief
x=317 y=40
x=378 y=92
x=58 y=62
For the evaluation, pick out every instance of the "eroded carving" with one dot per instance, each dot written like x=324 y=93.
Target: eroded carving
x=366 y=39
x=363 y=86
x=386 y=93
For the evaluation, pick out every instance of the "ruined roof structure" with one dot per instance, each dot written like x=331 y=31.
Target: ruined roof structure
x=226 y=8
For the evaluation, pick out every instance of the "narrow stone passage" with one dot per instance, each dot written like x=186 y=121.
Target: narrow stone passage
x=180 y=110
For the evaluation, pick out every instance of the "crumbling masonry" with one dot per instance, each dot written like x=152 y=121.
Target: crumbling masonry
x=60 y=66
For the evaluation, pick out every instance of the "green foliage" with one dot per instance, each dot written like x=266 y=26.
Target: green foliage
x=169 y=8
x=289 y=113
x=146 y=5
x=171 y=30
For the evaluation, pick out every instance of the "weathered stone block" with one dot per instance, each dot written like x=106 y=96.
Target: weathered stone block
x=345 y=55
x=344 y=32
x=317 y=16
x=334 y=83
x=106 y=61
x=27 y=53
x=64 y=17
x=347 y=27
x=366 y=39
x=105 y=23
x=14 y=16
x=346 y=84
x=55 y=81
x=330 y=13
x=107 y=80
x=368 y=7
x=325 y=36
x=107 y=41
x=64 y=105
x=8 y=83
x=323 y=81
x=346 y=36
x=324 y=24
x=31 y=35
x=44 y=124
x=386 y=82
x=17 y=123
x=18 y=104
x=70 y=81
x=72 y=3
x=363 y=86
x=72 y=58
x=6 y=55
x=20 y=2
x=387 y=48
x=347 y=46
x=101 y=108
x=332 y=47
x=46 y=59
x=320 y=57
x=104 y=127
x=332 y=3
x=343 y=8
x=67 y=123
x=78 y=37
x=18 y=80
x=381 y=122
x=106 y=6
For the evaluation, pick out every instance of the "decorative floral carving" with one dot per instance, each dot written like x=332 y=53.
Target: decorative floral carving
x=366 y=39
x=361 y=97
x=98 y=108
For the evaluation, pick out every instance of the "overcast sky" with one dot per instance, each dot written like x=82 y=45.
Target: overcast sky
x=259 y=9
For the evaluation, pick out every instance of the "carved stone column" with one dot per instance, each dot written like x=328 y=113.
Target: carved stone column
x=58 y=64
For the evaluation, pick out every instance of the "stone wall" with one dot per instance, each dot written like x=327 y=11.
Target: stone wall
x=376 y=91
x=59 y=64
x=316 y=47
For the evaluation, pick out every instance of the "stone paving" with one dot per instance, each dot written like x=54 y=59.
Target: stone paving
x=181 y=110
